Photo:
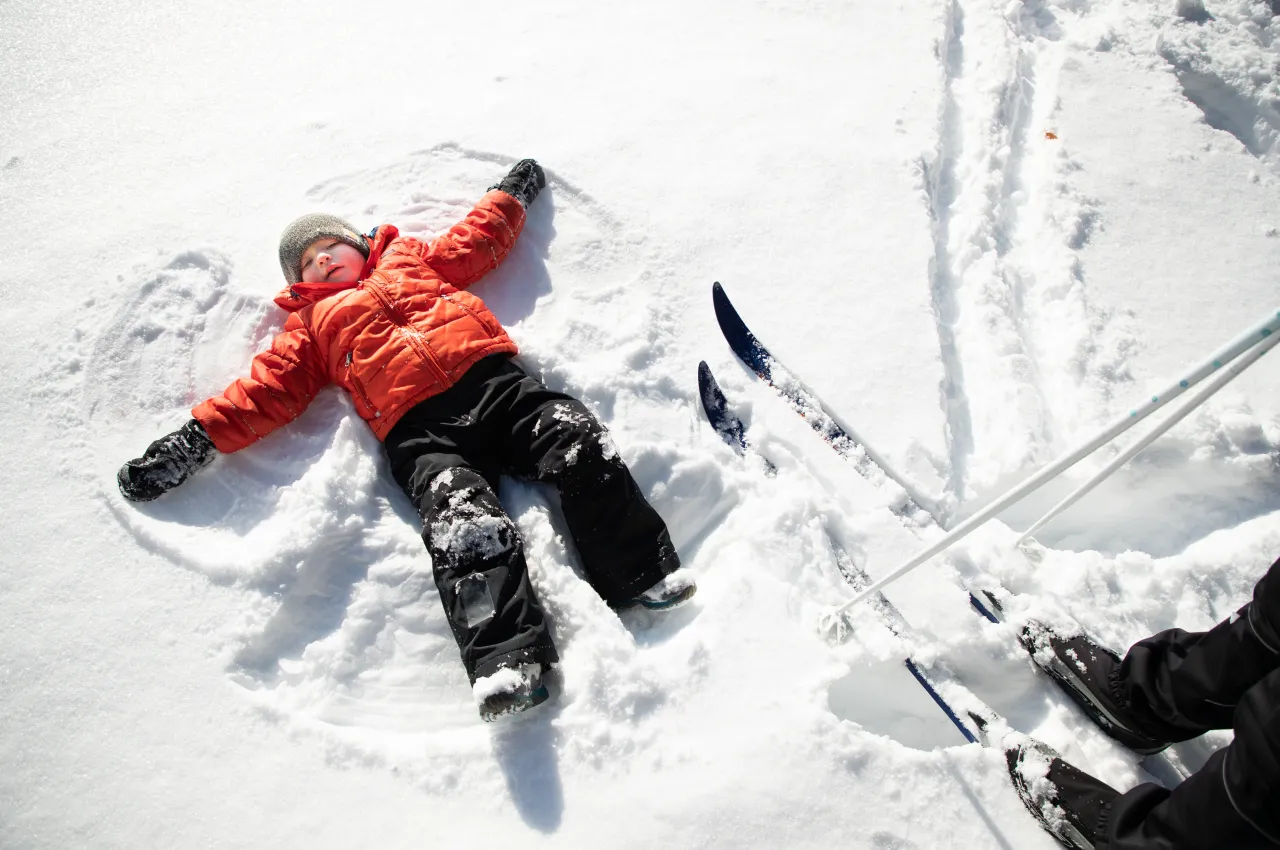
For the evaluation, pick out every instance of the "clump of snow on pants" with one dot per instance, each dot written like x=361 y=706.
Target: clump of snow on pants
x=608 y=450
x=466 y=537
x=569 y=414
x=467 y=533
x=442 y=481
x=577 y=418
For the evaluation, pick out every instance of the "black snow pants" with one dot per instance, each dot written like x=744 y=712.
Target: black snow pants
x=1179 y=685
x=448 y=453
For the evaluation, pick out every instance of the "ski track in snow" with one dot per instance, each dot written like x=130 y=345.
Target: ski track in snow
x=1053 y=355
x=1010 y=294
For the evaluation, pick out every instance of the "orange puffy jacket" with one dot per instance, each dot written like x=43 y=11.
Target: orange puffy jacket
x=404 y=332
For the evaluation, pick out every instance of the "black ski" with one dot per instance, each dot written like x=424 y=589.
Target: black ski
x=906 y=504
x=804 y=401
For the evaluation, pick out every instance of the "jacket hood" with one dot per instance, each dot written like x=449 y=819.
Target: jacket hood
x=295 y=297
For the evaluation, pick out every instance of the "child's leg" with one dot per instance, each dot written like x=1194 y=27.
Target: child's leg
x=480 y=571
x=446 y=463
x=623 y=543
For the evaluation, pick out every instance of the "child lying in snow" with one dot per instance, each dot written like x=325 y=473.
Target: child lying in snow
x=388 y=318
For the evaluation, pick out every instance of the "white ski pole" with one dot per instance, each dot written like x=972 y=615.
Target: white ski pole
x=1198 y=398
x=1195 y=375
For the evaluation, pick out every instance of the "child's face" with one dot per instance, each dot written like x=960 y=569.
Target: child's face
x=331 y=261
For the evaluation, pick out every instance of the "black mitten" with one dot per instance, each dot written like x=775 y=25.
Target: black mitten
x=166 y=463
x=523 y=182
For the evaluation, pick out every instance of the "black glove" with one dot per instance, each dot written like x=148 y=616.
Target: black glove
x=166 y=463
x=523 y=182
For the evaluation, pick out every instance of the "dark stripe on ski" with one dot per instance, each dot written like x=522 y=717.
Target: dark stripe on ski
x=982 y=715
x=942 y=704
x=748 y=348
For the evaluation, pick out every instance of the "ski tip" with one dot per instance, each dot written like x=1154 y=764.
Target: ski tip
x=713 y=398
x=740 y=338
x=707 y=385
x=730 y=322
x=718 y=295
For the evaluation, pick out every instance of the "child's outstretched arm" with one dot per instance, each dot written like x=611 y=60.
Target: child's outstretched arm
x=282 y=381
x=478 y=243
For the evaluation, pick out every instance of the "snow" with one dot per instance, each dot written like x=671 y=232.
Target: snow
x=465 y=532
x=506 y=679
x=979 y=231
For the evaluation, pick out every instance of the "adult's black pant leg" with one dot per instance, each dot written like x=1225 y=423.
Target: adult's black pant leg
x=480 y=570
x=1178 y=685
x=623 y=543
x=1231 y=802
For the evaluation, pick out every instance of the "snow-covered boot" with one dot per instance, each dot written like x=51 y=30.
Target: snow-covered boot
x=510 y=690
x=673 y=590
x=1070 y=804
x=1088 y=673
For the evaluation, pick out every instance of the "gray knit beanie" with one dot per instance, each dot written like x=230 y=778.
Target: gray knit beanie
x=298 y=236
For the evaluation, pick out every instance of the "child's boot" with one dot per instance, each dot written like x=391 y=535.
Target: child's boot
x=510 y=690
x=672 y=591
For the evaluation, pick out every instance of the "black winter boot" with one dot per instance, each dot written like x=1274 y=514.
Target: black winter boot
x=1087 y=672
x=1070 y=804
x=511 y=691
x=672 y=591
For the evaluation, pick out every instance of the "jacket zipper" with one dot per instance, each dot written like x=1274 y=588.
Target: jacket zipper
x=359 y=388
x=411 y=334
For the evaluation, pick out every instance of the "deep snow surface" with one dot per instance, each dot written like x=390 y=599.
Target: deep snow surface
x=979 y=230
